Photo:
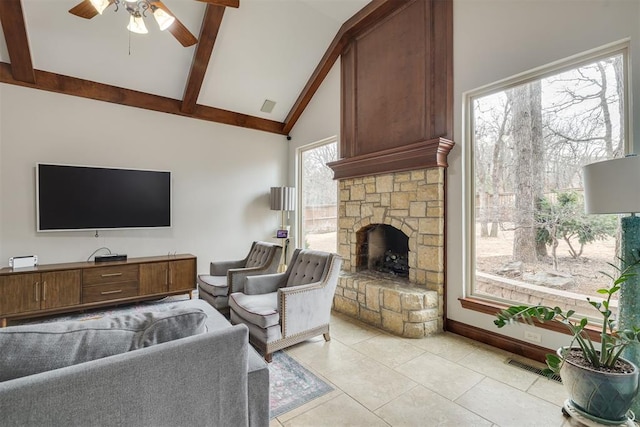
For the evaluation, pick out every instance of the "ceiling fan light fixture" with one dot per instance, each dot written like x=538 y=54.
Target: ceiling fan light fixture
x=136 y=25
x=163 y=19
x=138 y=10
x=100 y=5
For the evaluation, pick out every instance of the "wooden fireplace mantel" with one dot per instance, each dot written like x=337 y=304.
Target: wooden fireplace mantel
x=421 y=155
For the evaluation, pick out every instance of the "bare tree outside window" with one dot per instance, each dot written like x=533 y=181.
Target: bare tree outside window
x=533 y=242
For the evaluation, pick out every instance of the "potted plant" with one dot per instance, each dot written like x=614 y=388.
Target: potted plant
x=601 y=384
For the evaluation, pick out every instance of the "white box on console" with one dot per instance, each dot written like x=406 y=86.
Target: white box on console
x=23 y=261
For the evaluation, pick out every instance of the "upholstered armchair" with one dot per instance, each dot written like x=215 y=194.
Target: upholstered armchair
x=283 y=309
x=226 y=277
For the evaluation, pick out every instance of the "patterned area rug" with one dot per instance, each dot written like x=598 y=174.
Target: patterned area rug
x=291 y=384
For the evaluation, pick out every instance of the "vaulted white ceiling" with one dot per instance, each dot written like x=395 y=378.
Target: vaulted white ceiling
x=265 y=49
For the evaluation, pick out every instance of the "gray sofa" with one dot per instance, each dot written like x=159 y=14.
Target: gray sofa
x=212 y=378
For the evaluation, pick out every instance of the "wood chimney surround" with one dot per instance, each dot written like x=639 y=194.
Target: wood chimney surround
x=397 y=93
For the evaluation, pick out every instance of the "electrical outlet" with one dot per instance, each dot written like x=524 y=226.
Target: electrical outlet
x=532 y=336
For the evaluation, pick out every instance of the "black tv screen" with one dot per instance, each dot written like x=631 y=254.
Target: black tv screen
x=97 y=198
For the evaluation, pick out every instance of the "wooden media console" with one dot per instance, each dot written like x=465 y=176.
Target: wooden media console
x=61 y=288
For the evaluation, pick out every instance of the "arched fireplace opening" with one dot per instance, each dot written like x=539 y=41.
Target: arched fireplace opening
x=383 y=248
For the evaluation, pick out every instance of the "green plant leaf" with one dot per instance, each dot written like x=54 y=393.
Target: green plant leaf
x=613 y=341
x=595 y=304
x=554 y=362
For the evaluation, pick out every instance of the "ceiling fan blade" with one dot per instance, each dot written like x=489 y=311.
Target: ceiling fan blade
x=179 y=31
x=182 y=34
x=84 y=9
x=228 y=3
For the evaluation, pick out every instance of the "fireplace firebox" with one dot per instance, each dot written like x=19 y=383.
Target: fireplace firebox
x=383 y=248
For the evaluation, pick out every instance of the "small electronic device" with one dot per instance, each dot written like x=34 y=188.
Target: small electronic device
x=282 y=234
x=23 y=261
x=110 y=257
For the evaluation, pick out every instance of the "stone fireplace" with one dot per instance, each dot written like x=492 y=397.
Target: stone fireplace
x=371 y=209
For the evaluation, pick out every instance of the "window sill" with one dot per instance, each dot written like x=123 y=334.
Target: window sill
x=492 y=308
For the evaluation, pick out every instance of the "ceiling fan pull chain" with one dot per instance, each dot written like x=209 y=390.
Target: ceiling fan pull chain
x=129 y=43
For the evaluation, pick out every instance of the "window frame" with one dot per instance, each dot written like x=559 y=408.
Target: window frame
x=483 y=302
x=299 y=214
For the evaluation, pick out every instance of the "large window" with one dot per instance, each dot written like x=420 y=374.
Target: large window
x=531 y=241
x=318 y=193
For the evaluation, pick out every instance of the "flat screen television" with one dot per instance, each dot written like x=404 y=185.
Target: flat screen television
x=99 y=198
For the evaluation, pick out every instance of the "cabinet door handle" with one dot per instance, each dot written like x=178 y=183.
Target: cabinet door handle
x=36 y=287
x=111 y=292
x=111 y=274
x=166 y=277
x=44 y=290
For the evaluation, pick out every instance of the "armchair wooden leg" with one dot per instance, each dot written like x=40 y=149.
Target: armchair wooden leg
x=326 y=336
x=268 y=357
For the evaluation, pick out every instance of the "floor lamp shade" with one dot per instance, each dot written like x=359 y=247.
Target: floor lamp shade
x=283 y=198
x=612 y=186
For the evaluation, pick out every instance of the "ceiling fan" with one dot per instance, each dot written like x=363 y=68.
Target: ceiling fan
x=138 y=9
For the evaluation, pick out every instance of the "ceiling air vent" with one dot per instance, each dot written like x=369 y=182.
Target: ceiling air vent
x=267 y=106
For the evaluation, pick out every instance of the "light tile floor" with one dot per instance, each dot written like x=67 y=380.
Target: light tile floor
x=443 y=380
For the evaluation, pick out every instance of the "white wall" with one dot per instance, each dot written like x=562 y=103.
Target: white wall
x=221 y=176
x=496 y=39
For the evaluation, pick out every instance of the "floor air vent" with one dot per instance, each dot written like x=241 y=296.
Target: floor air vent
x=533 y=369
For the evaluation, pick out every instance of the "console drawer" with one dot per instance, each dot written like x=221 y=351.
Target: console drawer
x=111 y=274
x=109 y=291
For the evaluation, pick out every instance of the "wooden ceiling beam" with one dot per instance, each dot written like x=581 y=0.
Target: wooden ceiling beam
x=368 y=16
x=101 y=92
x=208 y=34
x=15 y=35
x=227 y=3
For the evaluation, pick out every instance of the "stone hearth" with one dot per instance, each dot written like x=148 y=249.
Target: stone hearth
x=412 y=202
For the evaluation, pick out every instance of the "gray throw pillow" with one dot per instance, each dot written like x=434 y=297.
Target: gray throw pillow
x=30 y=349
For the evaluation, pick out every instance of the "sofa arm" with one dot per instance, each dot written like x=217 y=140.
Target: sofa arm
x=264 y=284
x=258 y=381
x=220 y=268
x=236 y=277
x=304 y=307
